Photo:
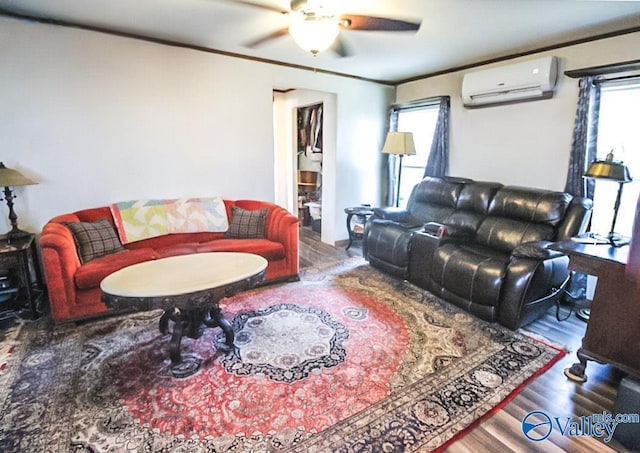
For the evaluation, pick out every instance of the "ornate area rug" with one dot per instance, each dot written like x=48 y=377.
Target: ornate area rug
x=8 y=342
x=348 y=359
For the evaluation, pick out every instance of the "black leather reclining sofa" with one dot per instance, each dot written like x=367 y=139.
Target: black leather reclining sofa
x=480 y=245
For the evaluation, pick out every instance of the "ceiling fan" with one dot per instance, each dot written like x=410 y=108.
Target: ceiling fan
x=315 y=25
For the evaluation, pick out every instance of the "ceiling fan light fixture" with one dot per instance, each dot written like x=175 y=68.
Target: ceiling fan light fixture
x=314 y=33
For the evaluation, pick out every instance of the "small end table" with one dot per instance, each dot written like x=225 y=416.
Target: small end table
x=362 y=214
x=18 y=255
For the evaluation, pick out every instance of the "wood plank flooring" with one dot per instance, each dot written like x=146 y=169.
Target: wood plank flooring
x=313 y=252
x=551 y=392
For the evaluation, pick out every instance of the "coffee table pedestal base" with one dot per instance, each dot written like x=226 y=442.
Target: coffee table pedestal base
x=191 y=323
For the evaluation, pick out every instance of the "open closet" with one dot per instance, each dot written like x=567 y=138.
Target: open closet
x=309 y=162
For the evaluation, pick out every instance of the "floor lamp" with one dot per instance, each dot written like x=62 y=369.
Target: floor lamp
x=400 y=144
x=611 y=170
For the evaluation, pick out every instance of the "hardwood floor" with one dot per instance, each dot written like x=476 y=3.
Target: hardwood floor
x=551 y=392
x=313 y=252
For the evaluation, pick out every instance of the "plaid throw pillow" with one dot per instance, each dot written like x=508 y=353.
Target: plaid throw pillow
x=246 y=224
x=94 y=239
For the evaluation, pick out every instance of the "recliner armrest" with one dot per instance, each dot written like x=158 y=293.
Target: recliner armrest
x=538 y=250
x=400 y=215
x=450 y=233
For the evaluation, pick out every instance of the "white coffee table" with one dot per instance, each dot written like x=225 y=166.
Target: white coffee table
x=188 y=288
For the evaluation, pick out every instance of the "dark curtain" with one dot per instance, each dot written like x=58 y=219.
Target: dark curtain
x=583 y=152
x=438 y=162
x=585 y=137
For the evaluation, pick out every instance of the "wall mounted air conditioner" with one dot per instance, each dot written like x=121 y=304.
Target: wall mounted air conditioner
x=533 y=79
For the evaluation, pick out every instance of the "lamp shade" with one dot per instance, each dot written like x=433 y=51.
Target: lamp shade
x=13 y=178
x=399 y=143
x=609 y=169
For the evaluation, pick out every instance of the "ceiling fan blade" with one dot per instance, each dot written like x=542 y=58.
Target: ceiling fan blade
x=340 y=47
x=269 y=37
x=261 y=6
x=370 y=23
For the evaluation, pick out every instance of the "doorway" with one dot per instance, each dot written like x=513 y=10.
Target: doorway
x=291 y=161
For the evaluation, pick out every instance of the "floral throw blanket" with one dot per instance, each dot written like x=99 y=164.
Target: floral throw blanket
x=143 y=219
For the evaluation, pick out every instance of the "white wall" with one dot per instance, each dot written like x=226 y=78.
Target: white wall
x=98 y=119
x=526 y=143
x=284 y=168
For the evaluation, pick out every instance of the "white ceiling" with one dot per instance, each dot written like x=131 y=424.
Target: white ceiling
x=454 y=33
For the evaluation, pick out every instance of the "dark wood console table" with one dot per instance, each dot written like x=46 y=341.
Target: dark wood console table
x=614 y=325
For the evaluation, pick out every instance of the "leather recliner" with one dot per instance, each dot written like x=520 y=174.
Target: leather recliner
x=489 y=255
x=388 y=232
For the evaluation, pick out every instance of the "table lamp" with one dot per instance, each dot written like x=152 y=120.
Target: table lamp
x=611 y=170
x=400 y=144
x=13 y=178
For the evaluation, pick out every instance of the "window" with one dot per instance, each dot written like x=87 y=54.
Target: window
x=618 y=131
x=421 y=121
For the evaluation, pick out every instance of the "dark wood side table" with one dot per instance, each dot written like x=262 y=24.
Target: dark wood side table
x=362 y=213
x=19 y=256
x=613 y=327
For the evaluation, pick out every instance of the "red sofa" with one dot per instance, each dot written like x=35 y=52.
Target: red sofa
x=74 y=288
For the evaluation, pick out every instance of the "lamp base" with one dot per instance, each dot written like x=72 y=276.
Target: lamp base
x=583 y=314
x=617 y=240
x=17 y=233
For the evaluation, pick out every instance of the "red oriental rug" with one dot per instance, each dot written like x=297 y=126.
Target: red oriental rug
x=348 y=359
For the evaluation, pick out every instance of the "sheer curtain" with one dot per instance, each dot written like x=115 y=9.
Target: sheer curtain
x=392 y=162
x=438 y=163
x=583 y=152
